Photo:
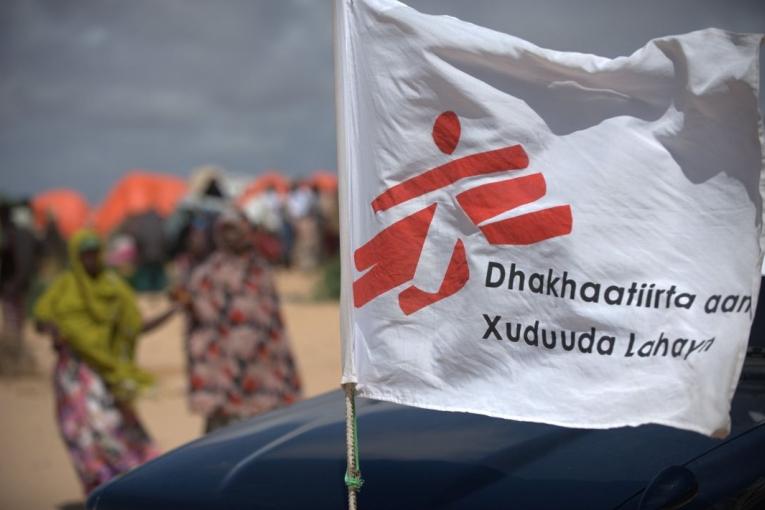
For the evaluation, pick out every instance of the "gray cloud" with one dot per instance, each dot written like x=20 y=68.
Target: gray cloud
x=91 y=88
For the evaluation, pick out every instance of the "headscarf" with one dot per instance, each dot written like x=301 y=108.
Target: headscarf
x=236 y=218
x=97 y=317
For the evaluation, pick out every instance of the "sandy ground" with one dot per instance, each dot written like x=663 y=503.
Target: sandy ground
x=35 y=471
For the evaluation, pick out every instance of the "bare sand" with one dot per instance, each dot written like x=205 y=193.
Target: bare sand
x=35 y=470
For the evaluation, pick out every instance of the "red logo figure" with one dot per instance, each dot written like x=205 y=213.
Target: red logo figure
x=393 y=254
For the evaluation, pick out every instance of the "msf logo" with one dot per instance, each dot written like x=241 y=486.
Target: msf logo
x=391 y=257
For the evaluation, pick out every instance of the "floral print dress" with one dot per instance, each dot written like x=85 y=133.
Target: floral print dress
x=239 y=358
x=103 y=436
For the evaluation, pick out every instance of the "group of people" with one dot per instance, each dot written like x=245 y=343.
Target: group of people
x=297 y=228
x=239 y=361
x=303 y=221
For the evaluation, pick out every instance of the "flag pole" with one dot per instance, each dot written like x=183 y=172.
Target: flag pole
x=353 y=479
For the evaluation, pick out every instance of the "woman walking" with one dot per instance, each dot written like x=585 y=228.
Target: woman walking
x=240 y=362
x=94 y=320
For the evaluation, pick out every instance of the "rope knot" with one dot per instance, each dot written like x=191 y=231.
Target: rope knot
x=353 y=482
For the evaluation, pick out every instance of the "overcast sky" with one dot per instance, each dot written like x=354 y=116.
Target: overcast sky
x=91 y=88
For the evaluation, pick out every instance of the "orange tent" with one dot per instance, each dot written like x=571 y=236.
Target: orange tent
x=325 y=180
x=139 y=192
x=69 y=209
x=264 y=181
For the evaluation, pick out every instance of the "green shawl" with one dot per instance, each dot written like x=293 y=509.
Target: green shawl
x=98 y=318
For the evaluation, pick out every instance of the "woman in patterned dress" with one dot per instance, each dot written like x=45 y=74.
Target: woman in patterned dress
x=94 y=320
x=239 y=359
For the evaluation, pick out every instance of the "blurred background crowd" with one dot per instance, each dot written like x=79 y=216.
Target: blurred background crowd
x=92 y=280
x=157 y=229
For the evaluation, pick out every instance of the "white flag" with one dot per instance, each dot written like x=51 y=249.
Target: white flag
x=543 y=235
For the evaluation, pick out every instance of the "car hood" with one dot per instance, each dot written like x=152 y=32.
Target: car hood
x=410 y=458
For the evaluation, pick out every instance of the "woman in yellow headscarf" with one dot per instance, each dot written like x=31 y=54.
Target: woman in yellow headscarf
x=94 y=319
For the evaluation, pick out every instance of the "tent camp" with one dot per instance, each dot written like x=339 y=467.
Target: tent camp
x=139 y=192
x=268 y=180
x=324 y=180
x=66 y=207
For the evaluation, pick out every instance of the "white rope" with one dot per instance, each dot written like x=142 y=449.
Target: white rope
x=350 y=443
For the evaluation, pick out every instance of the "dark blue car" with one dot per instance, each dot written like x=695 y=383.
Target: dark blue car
x=415 y=458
